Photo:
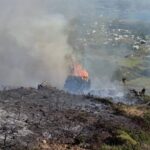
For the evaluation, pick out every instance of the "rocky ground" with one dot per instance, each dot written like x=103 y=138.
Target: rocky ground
x=49 y=119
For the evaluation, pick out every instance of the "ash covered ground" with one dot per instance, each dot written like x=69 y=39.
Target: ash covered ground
x=50 y=119
x=41 y=41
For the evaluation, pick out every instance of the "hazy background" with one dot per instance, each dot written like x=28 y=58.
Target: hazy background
x=36 y=36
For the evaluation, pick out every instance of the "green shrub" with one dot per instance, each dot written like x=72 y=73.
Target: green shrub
x=124 y=136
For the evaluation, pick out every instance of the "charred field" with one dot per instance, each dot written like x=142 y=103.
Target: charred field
x=97 y=52
x=50 y=119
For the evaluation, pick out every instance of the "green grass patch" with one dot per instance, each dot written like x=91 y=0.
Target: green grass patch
x=124 y=136
x=130 y=62
x=124 y=147
x=132 y=140
x=140 y=82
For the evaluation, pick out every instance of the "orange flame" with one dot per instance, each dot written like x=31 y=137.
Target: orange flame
x=80 y=72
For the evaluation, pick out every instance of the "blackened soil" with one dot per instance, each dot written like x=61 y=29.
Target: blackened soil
x=52 y=119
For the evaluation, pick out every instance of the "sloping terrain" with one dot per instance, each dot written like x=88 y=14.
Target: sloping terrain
x=49 y=119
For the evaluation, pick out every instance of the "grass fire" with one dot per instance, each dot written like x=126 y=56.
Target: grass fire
x=74 y=74
x=78 y=71
x=78 y=81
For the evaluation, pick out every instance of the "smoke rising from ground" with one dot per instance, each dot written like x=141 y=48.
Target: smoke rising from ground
x=33 y=45
x=34 y=38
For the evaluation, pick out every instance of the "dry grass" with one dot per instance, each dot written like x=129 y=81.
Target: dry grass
x=133 y=111
x=54 y=146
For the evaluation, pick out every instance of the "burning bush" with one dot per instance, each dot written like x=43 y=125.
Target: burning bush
x=78 y=81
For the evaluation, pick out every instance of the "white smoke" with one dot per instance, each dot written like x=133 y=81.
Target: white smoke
x=33 y=45
x=34 y=38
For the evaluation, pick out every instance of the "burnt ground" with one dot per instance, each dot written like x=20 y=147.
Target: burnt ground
x=49 y=119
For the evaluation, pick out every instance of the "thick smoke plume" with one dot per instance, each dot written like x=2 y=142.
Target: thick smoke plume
x=33 y=45
x=35 y=38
